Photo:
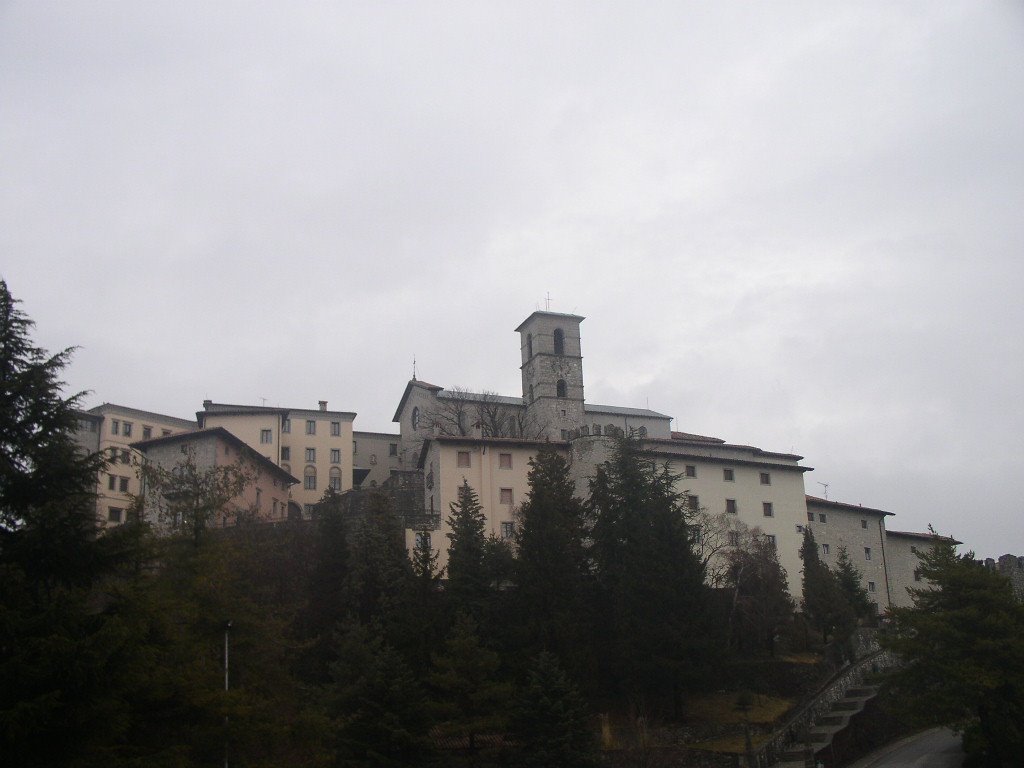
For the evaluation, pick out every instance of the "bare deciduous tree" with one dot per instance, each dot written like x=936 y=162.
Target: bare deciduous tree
x=458 y=412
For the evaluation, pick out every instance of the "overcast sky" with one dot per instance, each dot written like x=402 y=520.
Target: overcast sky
x=793 y=225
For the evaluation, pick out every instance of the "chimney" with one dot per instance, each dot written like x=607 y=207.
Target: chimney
x=323 y=405
x=207 y=404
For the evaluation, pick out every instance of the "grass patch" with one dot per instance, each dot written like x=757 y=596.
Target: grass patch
x=731 y=745
x=720 y=709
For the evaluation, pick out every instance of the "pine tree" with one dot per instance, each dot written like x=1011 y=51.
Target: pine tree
x=848 y=578
x=550 y=721
x=824 y=605
x=62 y=661
x=658 y=635
x=552 y=567
x=468 y=582
x=963 y=647
x=378 y=707
x=762 y=605
x=380 y=574
x=472 y=699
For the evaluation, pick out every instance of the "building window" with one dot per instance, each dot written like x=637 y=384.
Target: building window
x=597 y=429
x=730 y=506
x=871 y=586
x=766 y=478
x=824 y=549
x=728 y=475
x=508 y=530
x=531 y=394
x=392 y=449
x=506 y=495
x=115 y=515
x=770 y=539
x=867 y=553
x=642 y=432
x=504 y=461
x=307 y=510
x=311 y=454
x=286 y=426
x=917 y=574
x=821 y=517
x=165 y=432
x=115 y=426
x=373 y=458
x=561 y=390
x=286 y=453
x=734 y=538
x=767 y=508
x=691 y=470
x=864 y=524
x=127 y=431
x=423 y=540
x=610 y=430
x=565 y=434
x=111 y=483
x=147 y=433
x=335 y=480
x=529 y=346
x=309 y=479
x=810 y=517
x=335 y=428
x=415 y=418
x=259 y=499
x=462 y=460
x=355 y=447
x=273 y=508
x=310 y=426
x=693 y=502
x=335 y=456
x=125 y=456
x=266 y=436
x=123 y=484
x=559 y=341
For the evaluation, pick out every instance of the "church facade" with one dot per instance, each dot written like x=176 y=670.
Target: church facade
x=487 y=440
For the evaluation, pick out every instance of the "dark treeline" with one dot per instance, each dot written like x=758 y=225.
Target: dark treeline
x=345 y=649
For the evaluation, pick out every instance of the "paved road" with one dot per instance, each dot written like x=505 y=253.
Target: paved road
x=935 y=748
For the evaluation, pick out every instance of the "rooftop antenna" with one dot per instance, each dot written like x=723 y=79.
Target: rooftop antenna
x=264 y=401
x=547 y=301
x=825 y=486
x=414 y=366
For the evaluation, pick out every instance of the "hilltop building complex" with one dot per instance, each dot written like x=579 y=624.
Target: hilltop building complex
x=450 y=436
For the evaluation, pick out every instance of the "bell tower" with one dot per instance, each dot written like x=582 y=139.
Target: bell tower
x=552 y=372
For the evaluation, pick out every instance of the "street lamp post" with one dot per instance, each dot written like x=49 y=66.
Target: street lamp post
x=227 y=683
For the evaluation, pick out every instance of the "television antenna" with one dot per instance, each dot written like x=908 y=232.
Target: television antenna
x=825 y=486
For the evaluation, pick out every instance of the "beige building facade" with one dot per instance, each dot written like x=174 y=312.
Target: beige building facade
x=265 y=494
x=314 y=445
x=111 y=430
x=374 y=456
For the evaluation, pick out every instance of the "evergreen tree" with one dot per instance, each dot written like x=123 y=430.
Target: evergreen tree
x=762 y=605
x=824 y=605
x=472 y=699
x=658 y=632
x=848 y=578
x=426 y=615
x=468 y=580
x=378 y=707
x=550 y=721
x=62 y=653
x=962 y=644
x=552 y=567
x=380 y=574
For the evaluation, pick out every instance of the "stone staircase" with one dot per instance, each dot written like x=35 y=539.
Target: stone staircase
x=826 y=726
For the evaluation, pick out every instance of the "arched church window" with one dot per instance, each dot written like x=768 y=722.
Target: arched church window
x=559 y=342
x=529 y=346
x=642 y=432
x=416 y=418
x=561 y=390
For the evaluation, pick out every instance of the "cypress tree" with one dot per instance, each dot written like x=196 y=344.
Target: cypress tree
x=552 y=568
